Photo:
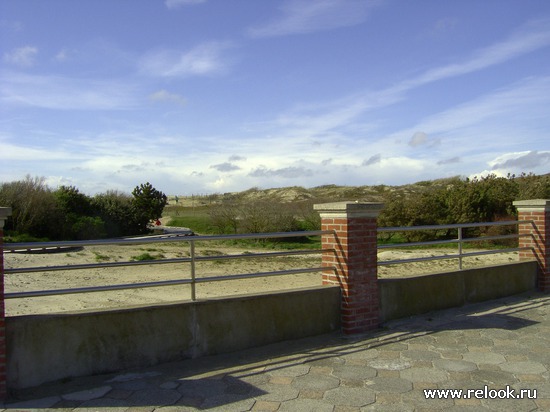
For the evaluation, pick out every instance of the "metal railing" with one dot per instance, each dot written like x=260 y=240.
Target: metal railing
x=192 y=260
x=459 y=240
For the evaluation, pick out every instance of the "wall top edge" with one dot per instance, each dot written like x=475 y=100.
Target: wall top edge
x=5 y=212
x=349 y=207
x=532 y=204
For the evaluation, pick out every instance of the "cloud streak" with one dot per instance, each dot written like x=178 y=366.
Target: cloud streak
x=63 y=93
x=175 y=4
x=22 y=57
x=524 y=160
x=334 y=117
x=204 y=59
x=165 y=96
x=532 y=36
x=303 y=16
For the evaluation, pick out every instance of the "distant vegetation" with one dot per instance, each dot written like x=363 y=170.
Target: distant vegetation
x=39 y=212
x=65 y=213
x=435 y=202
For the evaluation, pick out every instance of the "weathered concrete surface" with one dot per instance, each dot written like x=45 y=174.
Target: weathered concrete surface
x=44 y=348
x=419 y=294
x=485 y=346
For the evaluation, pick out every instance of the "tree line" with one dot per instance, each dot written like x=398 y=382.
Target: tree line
x=67 y=214
x=435 y=202
x=457 y=200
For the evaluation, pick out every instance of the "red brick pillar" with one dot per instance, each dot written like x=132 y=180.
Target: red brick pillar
x=4 y=213
x=355 y=260
x=538 y=211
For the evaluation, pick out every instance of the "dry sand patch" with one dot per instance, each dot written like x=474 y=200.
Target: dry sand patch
x=146 y=273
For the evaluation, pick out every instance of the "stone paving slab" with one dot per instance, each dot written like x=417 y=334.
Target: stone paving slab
x=491 y=349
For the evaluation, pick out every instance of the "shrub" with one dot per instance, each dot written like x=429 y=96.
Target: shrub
x=147 y=256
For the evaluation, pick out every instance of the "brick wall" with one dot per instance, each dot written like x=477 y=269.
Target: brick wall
x=538 y=239
x=352 y=250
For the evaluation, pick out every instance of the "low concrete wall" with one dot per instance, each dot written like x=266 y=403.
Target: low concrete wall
x=44 y=348
x=403 y=297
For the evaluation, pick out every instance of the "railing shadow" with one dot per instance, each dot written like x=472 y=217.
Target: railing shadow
x=237 y=380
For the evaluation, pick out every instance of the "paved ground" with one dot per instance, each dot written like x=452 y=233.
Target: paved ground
x=496 y=348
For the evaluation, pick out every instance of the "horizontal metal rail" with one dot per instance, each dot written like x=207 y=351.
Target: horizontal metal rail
x=163 y=239
x=452 y=256
x=84 y=266
x=193 y=259
x=460 y=240
x=192 y=281
x=453 y=226
x=105 y=288
x=449 y=241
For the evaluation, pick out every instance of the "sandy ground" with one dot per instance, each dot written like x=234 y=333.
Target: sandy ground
x=144 y=273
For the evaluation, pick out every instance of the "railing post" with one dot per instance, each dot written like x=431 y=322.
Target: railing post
x=4 y=213
x=460 y=248
x=538 y=239
x=355 y=259
x=193 y=269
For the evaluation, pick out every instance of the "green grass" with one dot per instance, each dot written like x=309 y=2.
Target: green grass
x=293 y=243
x=197 y=219
x=101 y=258
x=146 y=256
x=13 y=237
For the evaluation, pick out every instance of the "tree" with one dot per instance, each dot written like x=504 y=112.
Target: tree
x=70 y=200
x=147 y=204
x=34 y=209
x=80 y=220
x=225 y=216
x=115 y=209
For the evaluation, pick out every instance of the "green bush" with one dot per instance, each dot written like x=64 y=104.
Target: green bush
x=147 y=256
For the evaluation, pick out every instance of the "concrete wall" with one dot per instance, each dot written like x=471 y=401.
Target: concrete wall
x=44 y=348
x=403 y=297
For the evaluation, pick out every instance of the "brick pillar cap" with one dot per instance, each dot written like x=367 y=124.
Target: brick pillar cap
x=539 y=204
x=356 y=209
x=5 y=212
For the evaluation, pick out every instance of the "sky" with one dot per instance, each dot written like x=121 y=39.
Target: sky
x=215 y=96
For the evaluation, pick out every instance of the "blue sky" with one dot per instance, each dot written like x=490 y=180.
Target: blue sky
x=213 y=96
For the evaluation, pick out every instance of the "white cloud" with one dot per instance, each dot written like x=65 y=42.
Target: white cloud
x=534 y=35
x=525 y=161
x=62 y=55
x=289 y=172
x=62 y=93
x=23 y=56
x=204 y=59
x=11 y=25
x=501 y=120
x=422 y=139
x=29 y=153
x=419 y=138
x=304 y=16
x=333 y=119
x=165 y=96
x=174 y=4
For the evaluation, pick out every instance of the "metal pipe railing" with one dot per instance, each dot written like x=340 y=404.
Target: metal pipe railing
x=192 y=260
x=460 y=240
